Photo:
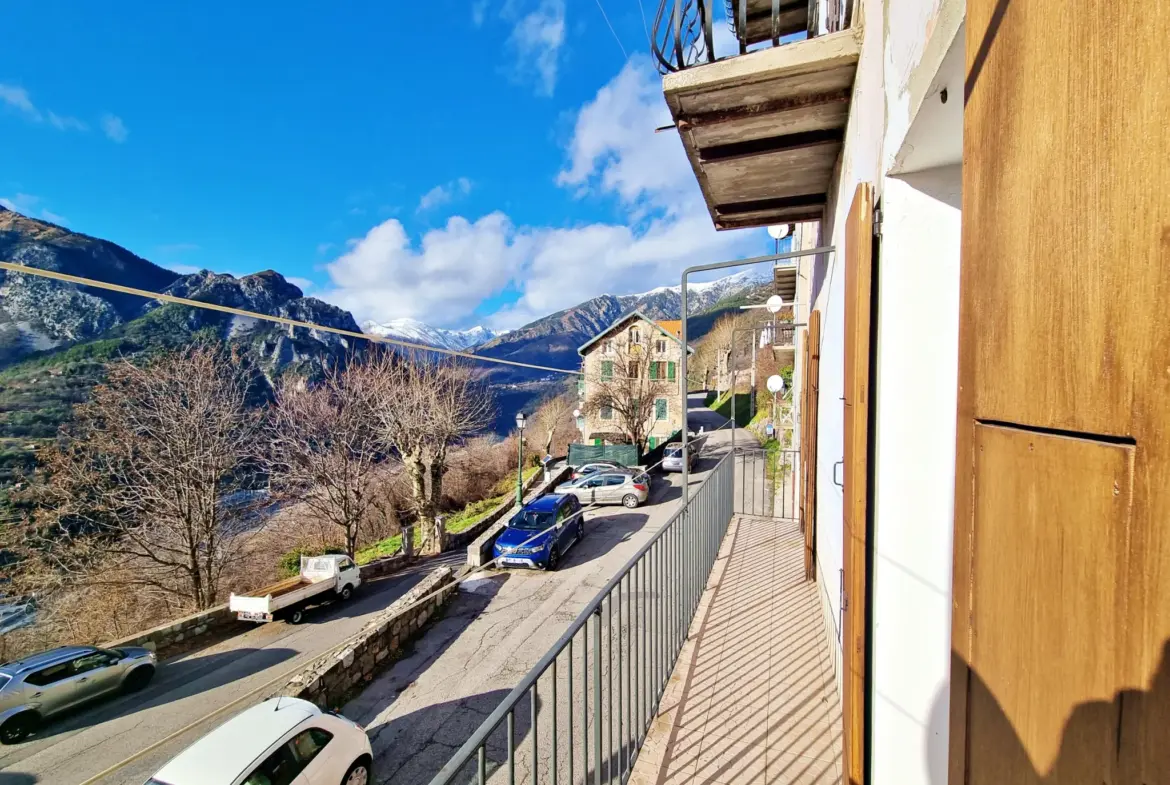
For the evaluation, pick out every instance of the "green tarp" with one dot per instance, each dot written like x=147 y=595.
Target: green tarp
x=625 y=454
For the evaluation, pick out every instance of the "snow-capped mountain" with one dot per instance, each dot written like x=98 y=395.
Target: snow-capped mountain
x=414 y=330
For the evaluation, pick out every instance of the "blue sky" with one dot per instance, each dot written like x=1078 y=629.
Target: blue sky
x=452 y=162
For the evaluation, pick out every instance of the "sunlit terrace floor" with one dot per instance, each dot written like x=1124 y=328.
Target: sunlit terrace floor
x=752 y=699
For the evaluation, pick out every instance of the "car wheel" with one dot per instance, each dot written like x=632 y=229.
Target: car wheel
x=138 y=679
x=581 y=530
x=297 y=616
x=18 y=728
x=554 y=558
x=346 y=593
x=358 y=774
x=630 y=501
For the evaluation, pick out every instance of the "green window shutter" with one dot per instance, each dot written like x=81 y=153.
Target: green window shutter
x=653 y=370
x=653 y=442
x=660 y=409
x=607 y=369
x=670 y=371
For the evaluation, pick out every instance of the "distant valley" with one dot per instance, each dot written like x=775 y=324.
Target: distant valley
x=55 y=338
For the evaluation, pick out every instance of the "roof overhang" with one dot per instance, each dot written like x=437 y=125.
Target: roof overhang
x=763 y=130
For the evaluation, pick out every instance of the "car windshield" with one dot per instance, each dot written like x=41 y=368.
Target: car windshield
x=673 y=452
x=531 y=521
x=4 y=679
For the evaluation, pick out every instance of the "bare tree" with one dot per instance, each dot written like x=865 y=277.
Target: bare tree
x=149 y=485
x=716 y=346
x=553 y=418
x=423 y=406
x=629 y=393
x=328 y=453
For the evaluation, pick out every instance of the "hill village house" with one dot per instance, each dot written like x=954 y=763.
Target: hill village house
x=611 y=348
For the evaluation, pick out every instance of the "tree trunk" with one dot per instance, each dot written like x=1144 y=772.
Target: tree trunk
x=425 y=513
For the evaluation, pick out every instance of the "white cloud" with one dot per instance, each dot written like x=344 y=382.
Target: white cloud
x=114 y=129
x=385 y=275
x=29 y=205
x=479 y=12
x=536 y=41
x=18 y=99
x=66 y=123
x=184 y=269
x=442 y=194
x=613 y=154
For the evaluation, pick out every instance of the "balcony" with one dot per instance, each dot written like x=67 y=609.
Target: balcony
x=763 y=128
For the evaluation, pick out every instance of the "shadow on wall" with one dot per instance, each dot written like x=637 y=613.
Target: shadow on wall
x=1093 y=749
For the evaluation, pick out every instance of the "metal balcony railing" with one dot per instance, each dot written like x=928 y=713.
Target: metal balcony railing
x=683 y=34
x=582 y=713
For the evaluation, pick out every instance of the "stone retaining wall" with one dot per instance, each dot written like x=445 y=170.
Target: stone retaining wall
x=330 y=679
x=181 y=631
x=479 y=552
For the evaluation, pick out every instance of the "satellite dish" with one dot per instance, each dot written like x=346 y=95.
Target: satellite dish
x=775 y=303
x=577 y=414
x=779 y=232
x=775 y=384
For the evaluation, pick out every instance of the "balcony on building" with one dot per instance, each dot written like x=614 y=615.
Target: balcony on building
x=763 y=127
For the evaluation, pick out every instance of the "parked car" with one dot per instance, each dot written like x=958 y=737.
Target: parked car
x=672 y=457
x=38 y=687
x=322 y=578
x=539 y=535
x=597 y=466
x=283 y=741
x=612 y=487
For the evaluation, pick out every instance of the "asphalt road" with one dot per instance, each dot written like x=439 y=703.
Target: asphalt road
x=185 y=690
x=420 y=711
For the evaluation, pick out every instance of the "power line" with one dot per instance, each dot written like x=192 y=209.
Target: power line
x=170 y=298
x=610 y=26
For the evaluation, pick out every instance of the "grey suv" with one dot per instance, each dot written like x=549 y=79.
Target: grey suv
x=42 y=685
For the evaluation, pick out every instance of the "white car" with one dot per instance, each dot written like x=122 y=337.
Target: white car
x=283 y=741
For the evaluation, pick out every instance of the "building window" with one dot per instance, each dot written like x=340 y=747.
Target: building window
x=660 y=409
x=660 y=346
x=670 y=372
x=607 y=346
x=607 y=369
x=635 y=335
x=633 y=370
x=607 y=412
x=655 y=371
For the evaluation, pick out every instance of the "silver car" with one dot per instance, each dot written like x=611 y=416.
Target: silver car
x=34 y=689
x=597 y=466
x=627 y=488
x=672 y=458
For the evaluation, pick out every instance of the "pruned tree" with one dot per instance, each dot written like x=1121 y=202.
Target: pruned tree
x=716 y=348
x=629 y=392
x=328 y=453
x=150 y=485
x=424 y=405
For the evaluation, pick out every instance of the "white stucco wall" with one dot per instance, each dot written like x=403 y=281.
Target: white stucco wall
x=911 y=49
x=860 y=162
x=914 y=459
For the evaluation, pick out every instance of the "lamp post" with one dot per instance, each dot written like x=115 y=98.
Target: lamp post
x=520 y=423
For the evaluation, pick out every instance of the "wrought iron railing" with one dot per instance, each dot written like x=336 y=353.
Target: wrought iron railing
x=582 y=713
x=683 y=34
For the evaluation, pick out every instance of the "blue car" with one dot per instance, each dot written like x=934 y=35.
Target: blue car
x=539 y=535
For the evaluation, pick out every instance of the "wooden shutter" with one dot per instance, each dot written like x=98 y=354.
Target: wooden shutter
x=858 y=293
x=1061 y=621
x=607 y=369
x=670 y=372
x=810 y=399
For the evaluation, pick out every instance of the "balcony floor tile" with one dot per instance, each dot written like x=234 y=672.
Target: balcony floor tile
x=753 y=697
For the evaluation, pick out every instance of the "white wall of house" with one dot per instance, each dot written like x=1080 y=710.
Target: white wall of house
x=860 y=162
x=914 y=457
x=906 y=142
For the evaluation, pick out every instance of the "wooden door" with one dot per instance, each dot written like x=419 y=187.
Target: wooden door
x=858 y=370
x=808 y=443
x=1061 y=623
